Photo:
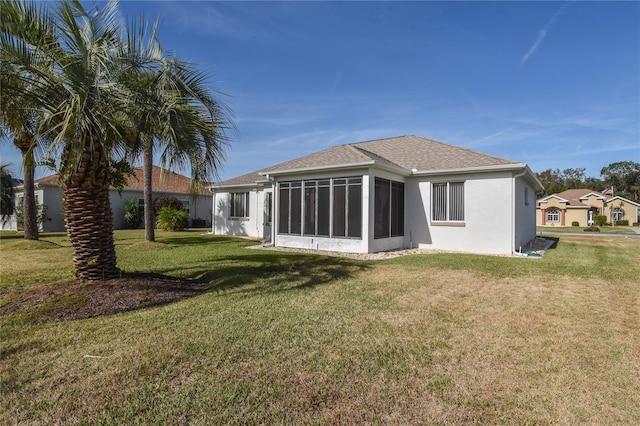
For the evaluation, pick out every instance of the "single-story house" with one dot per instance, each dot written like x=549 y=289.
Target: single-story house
x=164 y=183
x=401 y=192
x=580 y=205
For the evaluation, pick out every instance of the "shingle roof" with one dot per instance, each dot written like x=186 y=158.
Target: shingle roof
x=573 y=196
x=162 y=181
x=407 y=152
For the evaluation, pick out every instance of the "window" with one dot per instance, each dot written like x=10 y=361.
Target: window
x=185 y=205
x=325 y=207
x=553 y=216
x=239 y=204
x=526 y=196
x=447 y=202
x=388 y=208
x=618 y=214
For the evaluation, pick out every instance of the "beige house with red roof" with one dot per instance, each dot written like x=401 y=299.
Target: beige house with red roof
x=384 y=194
x=580 y=205
x=165 y=183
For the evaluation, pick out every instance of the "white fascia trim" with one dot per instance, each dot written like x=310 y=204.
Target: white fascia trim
x=482 y=169
x=544 y=200
x=239 y=185
x=338 y=167
x=598 y=196
x=625 y=200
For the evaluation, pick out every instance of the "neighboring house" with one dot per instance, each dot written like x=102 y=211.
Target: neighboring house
x=385 y=194
x=165 y=183
x=580 y=205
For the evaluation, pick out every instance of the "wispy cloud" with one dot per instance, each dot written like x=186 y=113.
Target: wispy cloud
x=543 y=33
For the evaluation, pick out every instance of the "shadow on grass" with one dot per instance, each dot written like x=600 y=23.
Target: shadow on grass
x=270 y=271
x=200 y=240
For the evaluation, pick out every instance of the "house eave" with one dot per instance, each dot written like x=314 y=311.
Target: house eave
x=333 y=167
x=256 y=184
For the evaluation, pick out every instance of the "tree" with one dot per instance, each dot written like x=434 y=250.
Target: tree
x=78 y=67
x=18 y=119
x=183 y=120
x=624 y=176
x=69 y=60
x=552 y=180
x=574 y=178
x=7 y=205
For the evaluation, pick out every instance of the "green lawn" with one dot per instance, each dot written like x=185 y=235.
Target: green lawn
x=603 y=229
x=288 y=338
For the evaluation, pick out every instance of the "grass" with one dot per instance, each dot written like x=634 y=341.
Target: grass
x=603 y=229
x=287 y=338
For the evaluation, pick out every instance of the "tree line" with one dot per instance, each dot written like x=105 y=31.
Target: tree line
x=622 y=176
x=92 y=93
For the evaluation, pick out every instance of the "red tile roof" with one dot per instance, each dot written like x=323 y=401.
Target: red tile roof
x=162 y=181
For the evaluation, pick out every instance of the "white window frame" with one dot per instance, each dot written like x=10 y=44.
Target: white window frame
x=553 y=215
x=244 y=213
x=452 y=214
x=617 y=214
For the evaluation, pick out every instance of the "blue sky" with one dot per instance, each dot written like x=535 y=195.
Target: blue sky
x=552 y=84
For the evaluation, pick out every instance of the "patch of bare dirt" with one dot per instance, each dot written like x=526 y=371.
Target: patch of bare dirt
x=79 y=299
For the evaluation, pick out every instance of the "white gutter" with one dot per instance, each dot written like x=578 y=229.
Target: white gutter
x=501 y=167
x=362 y=164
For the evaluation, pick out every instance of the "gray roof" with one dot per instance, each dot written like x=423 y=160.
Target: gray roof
x=404 y=152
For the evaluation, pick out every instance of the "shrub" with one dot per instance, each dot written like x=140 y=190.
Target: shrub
x=592 y=229
x=162 y=202
x=172 y=219
x=41 y=214
x=133 y=213
x=599 y=219
x=575 y=223
x=623 y=222
x=636 y=224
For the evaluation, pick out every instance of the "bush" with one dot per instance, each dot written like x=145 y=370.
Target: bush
x=592 y=229
x=172 y=219
x=162 y=202
x=636 y=224
x=623 y=222
x=575 y=223
x=41 y=214
x=599 y=219
x=133 y=213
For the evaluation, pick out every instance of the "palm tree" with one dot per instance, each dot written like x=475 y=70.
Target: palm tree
x=69 y=59
x=78 y=68
x=18 y=119
x=184 y=120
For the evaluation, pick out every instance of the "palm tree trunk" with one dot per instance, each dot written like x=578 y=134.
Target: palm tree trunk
x=87 y=213
x=147 y=170
x=29 y=212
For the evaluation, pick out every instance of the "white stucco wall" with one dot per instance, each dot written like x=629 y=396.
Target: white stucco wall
x=51 y=196
x=491 y=224
x=488 y=218
x=525 y=213
x=252 y=226
x=199 y=207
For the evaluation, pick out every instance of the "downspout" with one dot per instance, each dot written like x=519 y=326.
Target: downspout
x=513 y=209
